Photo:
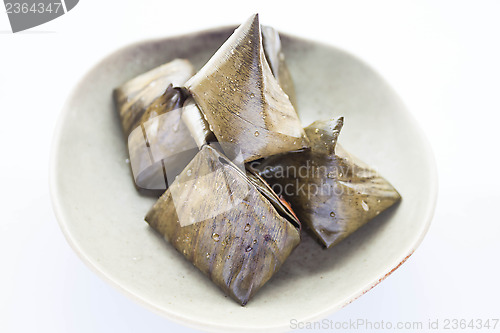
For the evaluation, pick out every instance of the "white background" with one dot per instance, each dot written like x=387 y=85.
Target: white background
x=442 y=57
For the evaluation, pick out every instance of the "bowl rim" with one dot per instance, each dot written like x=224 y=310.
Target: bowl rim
x=179 y=318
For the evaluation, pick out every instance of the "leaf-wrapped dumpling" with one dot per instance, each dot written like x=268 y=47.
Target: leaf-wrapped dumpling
x=225 y=225
x=332 y=192
x=243 y=102
x=150 y=107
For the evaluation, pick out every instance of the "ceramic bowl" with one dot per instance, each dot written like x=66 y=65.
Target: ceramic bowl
x=102 y=214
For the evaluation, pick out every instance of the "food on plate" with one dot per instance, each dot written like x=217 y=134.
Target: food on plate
x=220 y=141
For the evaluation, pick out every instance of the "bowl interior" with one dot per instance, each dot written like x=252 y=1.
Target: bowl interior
x=102 y=214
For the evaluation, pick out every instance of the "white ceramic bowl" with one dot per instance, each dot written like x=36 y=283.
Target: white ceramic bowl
x=102 y=214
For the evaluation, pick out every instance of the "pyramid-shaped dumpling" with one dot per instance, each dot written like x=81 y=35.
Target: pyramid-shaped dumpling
x=332 y=192
x=243 y=102
x=221 y=222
